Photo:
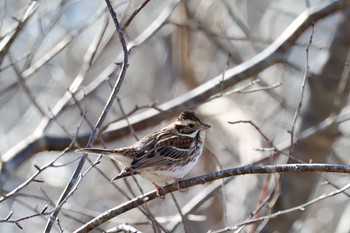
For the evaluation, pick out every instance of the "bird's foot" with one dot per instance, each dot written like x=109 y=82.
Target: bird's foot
x=179 y=188
x=159 y=190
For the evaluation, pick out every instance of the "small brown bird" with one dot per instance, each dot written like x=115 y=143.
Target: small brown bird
x=166 y=155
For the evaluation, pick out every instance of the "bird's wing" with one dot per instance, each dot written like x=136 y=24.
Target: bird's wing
x=163 y=150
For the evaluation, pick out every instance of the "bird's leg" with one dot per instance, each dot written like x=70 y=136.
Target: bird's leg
x=178 y=186
x=158 y=190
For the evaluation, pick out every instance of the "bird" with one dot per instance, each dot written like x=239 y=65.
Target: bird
x=167 y=154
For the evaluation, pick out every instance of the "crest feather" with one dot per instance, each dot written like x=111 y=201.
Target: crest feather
x=189 y=115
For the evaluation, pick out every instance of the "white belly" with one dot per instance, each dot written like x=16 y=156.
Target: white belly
x=174 y=174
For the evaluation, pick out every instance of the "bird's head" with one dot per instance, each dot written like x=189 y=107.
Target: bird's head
x=189 y=124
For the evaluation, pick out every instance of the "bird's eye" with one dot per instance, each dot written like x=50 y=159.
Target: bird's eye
x=191 y=125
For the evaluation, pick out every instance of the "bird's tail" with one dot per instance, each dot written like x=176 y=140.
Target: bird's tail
x=95 y=151
x=116 y=154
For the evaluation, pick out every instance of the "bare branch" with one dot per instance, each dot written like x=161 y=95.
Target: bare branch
x=242 y=170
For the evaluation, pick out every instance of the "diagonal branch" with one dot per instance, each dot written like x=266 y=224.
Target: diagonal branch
x=9 y=39
x=273 y=54
x=76 y=174
x=241 y=170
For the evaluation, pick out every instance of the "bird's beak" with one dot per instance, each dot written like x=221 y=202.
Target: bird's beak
x=204 y=127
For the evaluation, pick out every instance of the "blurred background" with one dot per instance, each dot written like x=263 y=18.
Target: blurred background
x=59 y=61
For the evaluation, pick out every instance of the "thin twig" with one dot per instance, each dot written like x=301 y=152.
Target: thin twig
x=257 y=128
x=146 y=210
x=63 y=43
x=33 y=177
x=22 y=83
x=222 y=81
x=340 y=98
x=183 y=217
x=135 y=13
x=305 y=78
x=55 y=209
x=197 y=201
x=264 y=88
x=132 y=131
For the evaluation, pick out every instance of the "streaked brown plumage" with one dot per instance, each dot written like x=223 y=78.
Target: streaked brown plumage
x=165 y=155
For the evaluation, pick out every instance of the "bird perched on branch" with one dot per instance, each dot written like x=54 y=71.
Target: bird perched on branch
x=165 y=155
